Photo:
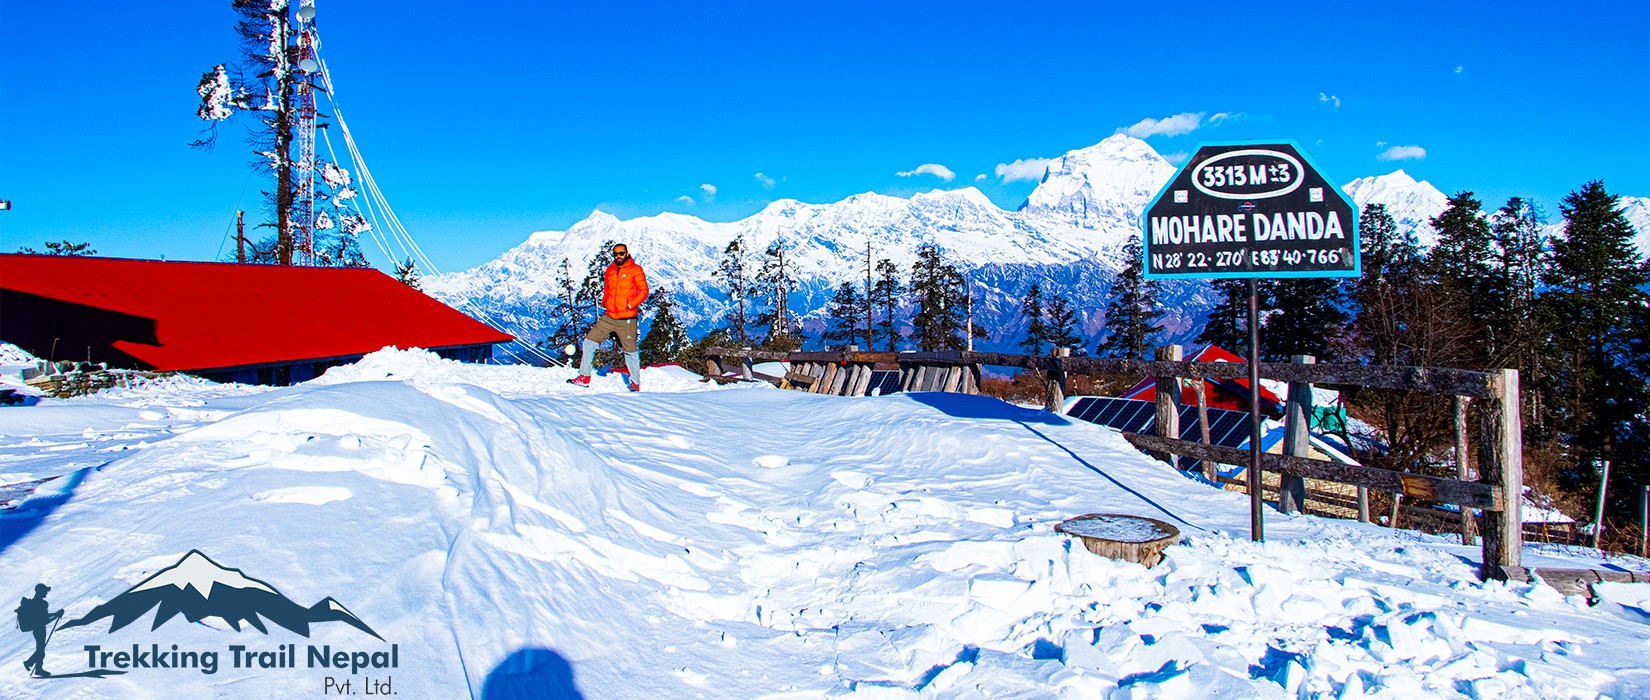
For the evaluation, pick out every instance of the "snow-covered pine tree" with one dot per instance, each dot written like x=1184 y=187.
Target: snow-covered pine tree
x=771 y=288
x=666 y=339
x=1036 y=329
x=734 y=272
x=885 y=297
x=1132 y=315
x=406 y=272
x=565 y=313
x=265 y=84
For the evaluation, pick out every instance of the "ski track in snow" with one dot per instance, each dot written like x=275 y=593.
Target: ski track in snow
x=743 y=542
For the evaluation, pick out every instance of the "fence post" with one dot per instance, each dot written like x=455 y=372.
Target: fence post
x=1056 y=400
x=1168 y=402
x=1598 y=515
x=1200 y=387
x=1468 y=536
x=1297 y=439
x=1501 y=464
x=1644 y=523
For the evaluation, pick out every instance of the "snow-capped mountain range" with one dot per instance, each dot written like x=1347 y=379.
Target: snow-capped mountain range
x=1068 y=236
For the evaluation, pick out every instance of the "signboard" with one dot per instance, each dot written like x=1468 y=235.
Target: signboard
x=1250 y=210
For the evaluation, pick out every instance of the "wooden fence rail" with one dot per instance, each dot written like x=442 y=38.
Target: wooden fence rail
x=1497 y=491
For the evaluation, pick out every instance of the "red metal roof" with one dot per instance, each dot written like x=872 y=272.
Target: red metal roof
x=167 y=316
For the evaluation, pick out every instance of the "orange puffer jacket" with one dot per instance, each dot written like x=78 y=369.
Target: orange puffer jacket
x=623 y=290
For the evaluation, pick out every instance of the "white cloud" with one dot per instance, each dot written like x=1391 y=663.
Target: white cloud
x=1177 y=158
x=1403 y=153
x=1223 y=116
x=709 y=190
x=1380 y=144
x=934 y=169
x=685 y=200
x=766 y=182
x=1023 y=169
x=980 y=177
x=1183 y=123
x=1334 y=102
x=1458 y=69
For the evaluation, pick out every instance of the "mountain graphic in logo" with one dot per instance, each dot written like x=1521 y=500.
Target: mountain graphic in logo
x=197 y=588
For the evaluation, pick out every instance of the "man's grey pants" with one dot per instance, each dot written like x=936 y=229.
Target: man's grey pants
x=606 y=326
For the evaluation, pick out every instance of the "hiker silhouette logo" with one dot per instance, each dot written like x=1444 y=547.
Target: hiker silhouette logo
x=196 y=588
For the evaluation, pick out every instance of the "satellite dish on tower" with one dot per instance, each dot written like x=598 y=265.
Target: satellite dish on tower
x=306 y=13
x=308 y=65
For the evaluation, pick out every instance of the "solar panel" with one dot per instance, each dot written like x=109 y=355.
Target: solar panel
x=885 y=380
x=1228 y=428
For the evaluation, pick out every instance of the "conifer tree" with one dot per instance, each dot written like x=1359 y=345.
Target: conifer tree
x=1227 y=327
x=844 y=316
x=61 y=248
x=406 y=272
x=1305 y=319
x=1519 y=263
x=1460 y=264
x=1036 y=328
x=666 y=339
x=1384 y=293
x=885 y=297
x=1596 y=285
x=772 y=286
x=566 y=313
x=937 y=289
x=734 y=272
x=1062 y=325
x=1132 y=315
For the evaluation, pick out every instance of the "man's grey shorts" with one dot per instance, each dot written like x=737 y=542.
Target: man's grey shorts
x=607 y=325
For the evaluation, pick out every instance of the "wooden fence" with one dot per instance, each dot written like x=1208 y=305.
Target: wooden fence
x=1497 y=491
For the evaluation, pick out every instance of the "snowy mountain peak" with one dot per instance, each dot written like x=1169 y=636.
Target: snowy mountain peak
x=196 y=570
x=1114 y=179
x=1411 y=203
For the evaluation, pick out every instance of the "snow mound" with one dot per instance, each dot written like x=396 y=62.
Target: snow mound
x=13 y=355
x=427 y=369
x=762 y=543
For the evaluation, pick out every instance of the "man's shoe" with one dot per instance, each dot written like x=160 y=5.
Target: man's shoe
x=580 y=380
x=635 y=386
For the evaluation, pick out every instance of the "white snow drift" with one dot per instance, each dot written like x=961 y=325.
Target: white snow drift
x=507 y=531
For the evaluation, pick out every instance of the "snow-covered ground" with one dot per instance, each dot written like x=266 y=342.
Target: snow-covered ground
x=512 y=535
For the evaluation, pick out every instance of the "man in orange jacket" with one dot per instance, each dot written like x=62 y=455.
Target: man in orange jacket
x=624 y=288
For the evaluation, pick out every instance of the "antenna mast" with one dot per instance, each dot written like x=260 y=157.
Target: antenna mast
x=303 y=204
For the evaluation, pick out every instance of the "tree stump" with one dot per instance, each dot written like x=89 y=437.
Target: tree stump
x=1127 y=537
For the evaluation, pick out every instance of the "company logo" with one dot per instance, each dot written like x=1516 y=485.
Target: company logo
x=196 y=588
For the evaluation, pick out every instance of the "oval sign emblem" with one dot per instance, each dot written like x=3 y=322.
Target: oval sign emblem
x=1255 y=173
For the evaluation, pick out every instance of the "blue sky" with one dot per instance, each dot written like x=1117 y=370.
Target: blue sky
x=484 y=123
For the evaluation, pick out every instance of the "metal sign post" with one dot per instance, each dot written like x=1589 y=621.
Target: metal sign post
x=1250 y=210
